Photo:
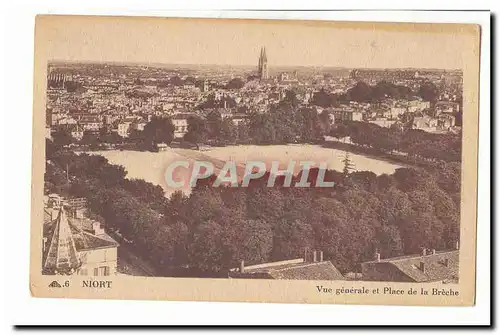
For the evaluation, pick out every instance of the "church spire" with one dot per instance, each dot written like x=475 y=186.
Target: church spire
x=263 y=70
x=62 y=256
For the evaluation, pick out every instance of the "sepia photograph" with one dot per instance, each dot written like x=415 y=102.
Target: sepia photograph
x=338 y=155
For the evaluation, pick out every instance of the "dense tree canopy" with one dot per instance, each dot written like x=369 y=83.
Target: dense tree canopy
x=235 y=83
x=416 y=143
x=158 y=130
x=362 y=92
x=428 y=91
x=215 y=228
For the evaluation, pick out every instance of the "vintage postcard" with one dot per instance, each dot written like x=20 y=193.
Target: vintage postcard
x=255 y=160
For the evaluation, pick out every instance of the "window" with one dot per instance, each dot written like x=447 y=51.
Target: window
x=101 y=271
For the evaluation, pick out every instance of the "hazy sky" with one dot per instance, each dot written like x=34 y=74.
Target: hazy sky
x=234 y=42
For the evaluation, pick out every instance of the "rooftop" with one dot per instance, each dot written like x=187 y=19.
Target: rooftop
x=292 y=269
x=438 y=266
x=82 y=233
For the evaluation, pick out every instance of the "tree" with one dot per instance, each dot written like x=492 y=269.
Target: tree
x=361 y=92
x=323 y=99
x=325 y=122
x=291 y=237
x=206 y=245
x=176 y=209
x=55 y=179
x=50 y=149
x=420 y=202
x=90 y=139
x=448 y=176
x=308 y=125
x=214 y=125
x=366 y=180
x=62 y=137
x=421 y=231
x=339 y=130
x=247 y=240
x=235 y=83
x=448 y=213
x=348 y=164
x=384 y=89
x=389 y=241
x=290 y=98
x=158 y=130
x=198 y=131
x=385 y=182
x=428 y=91
x=263 y=202
x=345 y=241
x=72 y=86
x=176 y=81
x=180 y=243
x=228 y=131
x=414 y=179
x=204 y=204
x=153 y=195
x=395 y=207
x=190 y=80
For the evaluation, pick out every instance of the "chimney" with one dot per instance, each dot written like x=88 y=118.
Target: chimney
x=315 y=259
x=96 y=227
x=433 y=251
x=457 y=245
x=54 y=213
x=321 y=255
x=422 y=266
x=377 y=257
x=79 y=213
x=242 y=266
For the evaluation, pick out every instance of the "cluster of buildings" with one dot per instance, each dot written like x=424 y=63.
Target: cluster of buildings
x=428 y=267
x=122 y=99
x=451 y=80
x=440 y=118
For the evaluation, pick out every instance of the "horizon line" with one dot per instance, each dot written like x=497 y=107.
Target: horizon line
x=123 y=63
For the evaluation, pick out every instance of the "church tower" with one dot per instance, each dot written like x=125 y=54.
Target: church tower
x=263 y=69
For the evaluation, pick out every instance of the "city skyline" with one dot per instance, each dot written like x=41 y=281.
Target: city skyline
x=58 y=63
